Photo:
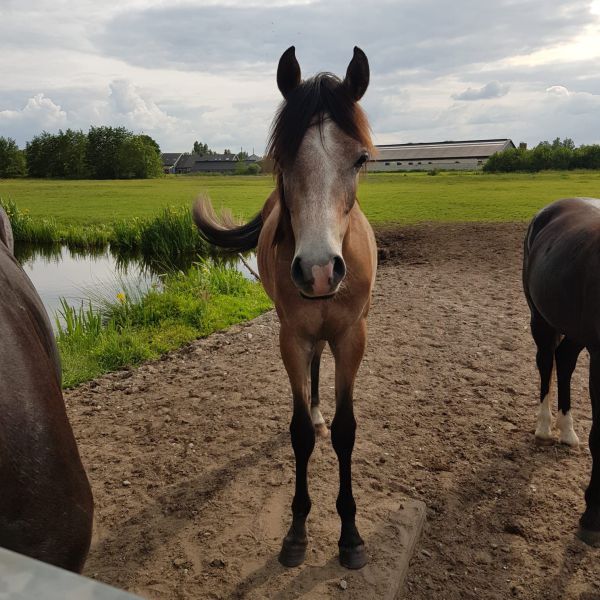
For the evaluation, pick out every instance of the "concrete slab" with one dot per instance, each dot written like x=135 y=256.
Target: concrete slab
x=22 y=578
x=390 y=545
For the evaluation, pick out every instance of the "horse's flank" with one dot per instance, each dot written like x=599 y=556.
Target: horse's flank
x=46 y=503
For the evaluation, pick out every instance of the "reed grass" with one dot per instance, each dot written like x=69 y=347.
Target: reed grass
x=170 y=234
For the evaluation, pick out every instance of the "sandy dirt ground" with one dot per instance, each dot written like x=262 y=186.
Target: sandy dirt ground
x=192 y=469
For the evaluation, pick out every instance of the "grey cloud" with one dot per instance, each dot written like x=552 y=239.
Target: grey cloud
x=494 y=89
x=415 y=47
x=415 y=34
x=582 y=75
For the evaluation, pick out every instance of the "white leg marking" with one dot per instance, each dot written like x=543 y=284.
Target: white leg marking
x=567 y=433
x=543 y=431
x=317 y=417
x=319 y=422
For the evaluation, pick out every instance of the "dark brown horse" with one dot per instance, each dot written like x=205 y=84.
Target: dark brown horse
x=317 y=260
x=561 y=278
x=45 y=499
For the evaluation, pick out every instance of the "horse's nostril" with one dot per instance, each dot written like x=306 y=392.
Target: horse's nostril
x=297 y=274
x=339 y=269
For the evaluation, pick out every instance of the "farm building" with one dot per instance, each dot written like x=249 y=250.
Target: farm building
x=466 y=155
x=169 y=161
x=195 y=163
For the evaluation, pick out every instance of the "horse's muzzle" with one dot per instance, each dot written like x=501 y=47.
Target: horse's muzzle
x=318 y=280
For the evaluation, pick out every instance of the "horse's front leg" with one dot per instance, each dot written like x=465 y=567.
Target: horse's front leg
x=589 y=524
x=348 y=353
x=297 y=355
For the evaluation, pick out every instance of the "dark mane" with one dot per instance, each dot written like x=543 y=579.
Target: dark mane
x=322 y=95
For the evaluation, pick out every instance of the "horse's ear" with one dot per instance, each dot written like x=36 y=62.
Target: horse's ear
x=6 y=233
x=357 y=75
x=288 y=72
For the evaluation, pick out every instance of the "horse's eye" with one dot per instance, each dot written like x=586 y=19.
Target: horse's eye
x=361 y=161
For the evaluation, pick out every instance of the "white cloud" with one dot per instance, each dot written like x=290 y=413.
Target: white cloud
x=126 y=102
x=39 y=113
x=557 y=90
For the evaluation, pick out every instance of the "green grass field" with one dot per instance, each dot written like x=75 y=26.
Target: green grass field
x=123 y=211
x=386 y=198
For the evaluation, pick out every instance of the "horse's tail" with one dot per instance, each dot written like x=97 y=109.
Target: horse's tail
x=223 y=231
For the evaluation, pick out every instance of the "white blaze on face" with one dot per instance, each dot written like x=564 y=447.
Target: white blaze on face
x=315 y=186
x=567 y=433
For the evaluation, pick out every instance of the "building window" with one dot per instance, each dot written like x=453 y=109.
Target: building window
x=456 y=162
x=387 y=164
x=398 y=163
x=430 y=163
x=410 y=163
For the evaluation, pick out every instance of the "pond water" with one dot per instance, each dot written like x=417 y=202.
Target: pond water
x=78 y=276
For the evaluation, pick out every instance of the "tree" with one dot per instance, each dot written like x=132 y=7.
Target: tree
x=202 y=149
x=12 y=160
x=104 y=151
x=70 y=159
x=242 y=155
x=567 y=143
x=39 y=153
x=139 y=157
x=242 y=168
x=150 y=141
x=558 y=154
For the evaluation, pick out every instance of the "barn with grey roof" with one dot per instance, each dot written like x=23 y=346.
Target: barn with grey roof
x=464 y=155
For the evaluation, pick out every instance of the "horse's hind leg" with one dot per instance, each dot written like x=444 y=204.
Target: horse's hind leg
x=317 y=418
x=297 y=356
x=546 y=339
x=348 y=353
x=589 y=530
x=566 y=359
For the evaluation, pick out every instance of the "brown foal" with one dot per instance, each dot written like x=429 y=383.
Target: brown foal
x=317 y=260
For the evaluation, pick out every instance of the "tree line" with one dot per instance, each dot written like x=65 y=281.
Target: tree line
x=102 y=153
x=203 y=150
x=557 y=155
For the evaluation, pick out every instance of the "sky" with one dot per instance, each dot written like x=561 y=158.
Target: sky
x=182 y=71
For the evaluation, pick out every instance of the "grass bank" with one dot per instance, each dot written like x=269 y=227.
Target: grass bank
x=386 y=197
x=128 y=327
x=169 y=234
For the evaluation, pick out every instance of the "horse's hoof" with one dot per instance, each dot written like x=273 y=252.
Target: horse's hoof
x=574 y=444
x=354 y=557
x=569 y=439
x=292 y=553
x=544 y=441
x=321 y=430
x=590 y=537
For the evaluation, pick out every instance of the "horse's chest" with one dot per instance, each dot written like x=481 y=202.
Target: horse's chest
x=322 y=319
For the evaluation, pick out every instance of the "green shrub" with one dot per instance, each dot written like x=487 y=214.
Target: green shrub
x=172 y=233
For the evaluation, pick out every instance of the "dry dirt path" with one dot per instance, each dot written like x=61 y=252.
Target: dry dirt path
x=191 y=465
